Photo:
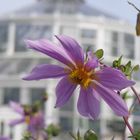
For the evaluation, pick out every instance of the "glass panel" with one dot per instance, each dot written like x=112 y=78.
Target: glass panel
x=111 y=43
x=136 y=125
x=136 y=75
x=27 y=31
x=116 y=126
x=88 y=33
x=136 y=109
x=11 y=94
x=95 y=125
x=129 y=45
x=66 y=124
x=24 y=65
x=3 y=36
x=68 y=30
x=86 y=46
x=69 y=106
x=37 y=94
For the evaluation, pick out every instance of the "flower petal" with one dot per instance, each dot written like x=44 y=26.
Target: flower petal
x=46 y=71
x=112 y=99
x=113 y=78
x=64 y=90
x=4 y=138
x=50 y=49
x=72 y=48
x=88 y=103
x=17 y=107
x=92 y=62
x=17 y=121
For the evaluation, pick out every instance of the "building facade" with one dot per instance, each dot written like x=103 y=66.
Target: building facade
x=44 y=19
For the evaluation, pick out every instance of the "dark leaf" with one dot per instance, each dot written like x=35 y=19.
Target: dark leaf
x=90 y=135
x=136 y=68
x=99 y=53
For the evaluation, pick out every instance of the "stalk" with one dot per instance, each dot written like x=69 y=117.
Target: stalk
x=135 y=92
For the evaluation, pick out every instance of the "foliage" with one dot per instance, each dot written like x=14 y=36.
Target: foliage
x=135 y=136
x=127 y=68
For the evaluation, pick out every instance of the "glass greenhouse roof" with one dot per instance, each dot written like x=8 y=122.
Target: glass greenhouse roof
x=18 y=66
x=65 y=7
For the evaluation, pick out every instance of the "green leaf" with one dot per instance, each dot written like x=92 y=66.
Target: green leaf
x=53 y=130
x=135 y=136
x=72 y=135
x=128 y=64
x=115 y=63
x=120 y=60
x=99 y=53
x=128 y=68
x=27 y=136
x=90 y=135
x=122 y=68
x=78 y=136
x=136 y=68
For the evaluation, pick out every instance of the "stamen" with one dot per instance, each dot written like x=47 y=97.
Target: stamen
x=81 y=76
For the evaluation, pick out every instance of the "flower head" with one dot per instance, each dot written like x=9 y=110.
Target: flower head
x=33 y=118
x=94 y=83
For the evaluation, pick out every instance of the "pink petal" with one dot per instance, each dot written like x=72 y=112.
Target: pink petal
x=92 y=62
x=16 y=122
x=17 y=107
x=72 y=48
x=46 y=71
x=64 y=90
x=50 y=49
x=112 y=99
x=88 y=103
x=113 y=79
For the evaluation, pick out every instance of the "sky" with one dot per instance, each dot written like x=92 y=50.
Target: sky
x=119 y=8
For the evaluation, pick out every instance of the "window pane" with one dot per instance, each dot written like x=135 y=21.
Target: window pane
x=88 y=33
x=66 y=124
x=116 y=126
x=27 y=31
x=95 y=125
x=69 y=106
x=129 y=45
x=88 y=46
x=3 y=36
x=37 y=94
x=111 y=38
x=136 y=75
x=68 y=30
x=11 y=94
x=136 y=109
x=136 y=125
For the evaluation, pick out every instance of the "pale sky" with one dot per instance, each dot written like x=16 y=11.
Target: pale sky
x=119 y=8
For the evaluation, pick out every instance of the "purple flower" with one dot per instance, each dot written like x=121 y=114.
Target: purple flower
x=34 y=120
x=4 y=138
x=20 y=110
x=76 y=71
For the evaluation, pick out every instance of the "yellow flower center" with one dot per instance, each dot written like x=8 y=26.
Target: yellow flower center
x=27 y=119
x=82 y=76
